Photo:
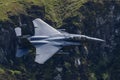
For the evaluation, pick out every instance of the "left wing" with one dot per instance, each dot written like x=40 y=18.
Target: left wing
x=42 y=28
x=44 y=52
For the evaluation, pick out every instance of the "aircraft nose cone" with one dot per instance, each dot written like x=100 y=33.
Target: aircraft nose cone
x=92 y=38
x=96 y=39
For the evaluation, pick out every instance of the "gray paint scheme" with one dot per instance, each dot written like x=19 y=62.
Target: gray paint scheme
x=47 y=40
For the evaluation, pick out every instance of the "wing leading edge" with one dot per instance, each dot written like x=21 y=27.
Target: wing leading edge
x=44 y=52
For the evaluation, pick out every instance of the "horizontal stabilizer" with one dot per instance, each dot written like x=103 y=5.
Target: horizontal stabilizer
x=44 y=52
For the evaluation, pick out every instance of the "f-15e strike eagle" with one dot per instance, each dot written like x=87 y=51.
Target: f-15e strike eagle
x=48 y=40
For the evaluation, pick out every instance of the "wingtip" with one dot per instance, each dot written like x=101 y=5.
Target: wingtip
x=39 y=62
x=38 y=19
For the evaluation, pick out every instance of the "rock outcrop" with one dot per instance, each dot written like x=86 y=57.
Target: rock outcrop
x=91 y=61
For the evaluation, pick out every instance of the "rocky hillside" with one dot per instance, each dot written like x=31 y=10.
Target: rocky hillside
x=91 y=61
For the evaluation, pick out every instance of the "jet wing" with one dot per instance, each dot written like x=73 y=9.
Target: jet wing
x=44 y=52
x=42 y=28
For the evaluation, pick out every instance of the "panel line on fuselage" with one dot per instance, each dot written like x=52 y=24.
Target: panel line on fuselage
x=65 y=39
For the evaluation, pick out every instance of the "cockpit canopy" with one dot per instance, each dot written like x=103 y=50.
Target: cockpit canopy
x=77 y=38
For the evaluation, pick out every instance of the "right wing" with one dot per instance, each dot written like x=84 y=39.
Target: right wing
x=42 y=28
x=44 y=52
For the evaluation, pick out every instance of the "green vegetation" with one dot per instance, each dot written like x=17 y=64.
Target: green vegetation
x=93 y=17
x=13 y=7
x=14 y=72
x=105 y=76
x=55 y=10
x=2 y=71
x=92 y=76
x=9 y=7
x=58 y=10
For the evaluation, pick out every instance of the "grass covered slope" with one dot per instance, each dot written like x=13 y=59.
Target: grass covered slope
x=92 y=61
x=55 y=10
x=14 y=7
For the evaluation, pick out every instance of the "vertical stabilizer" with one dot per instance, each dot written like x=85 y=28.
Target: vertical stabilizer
x=18 y=31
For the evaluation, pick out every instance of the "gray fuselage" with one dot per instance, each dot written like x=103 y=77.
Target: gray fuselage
x=61 y=40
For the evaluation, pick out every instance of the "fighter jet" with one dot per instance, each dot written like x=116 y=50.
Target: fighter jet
x=48 y=40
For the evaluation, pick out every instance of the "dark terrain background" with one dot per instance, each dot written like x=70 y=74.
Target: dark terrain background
x=90 y=61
